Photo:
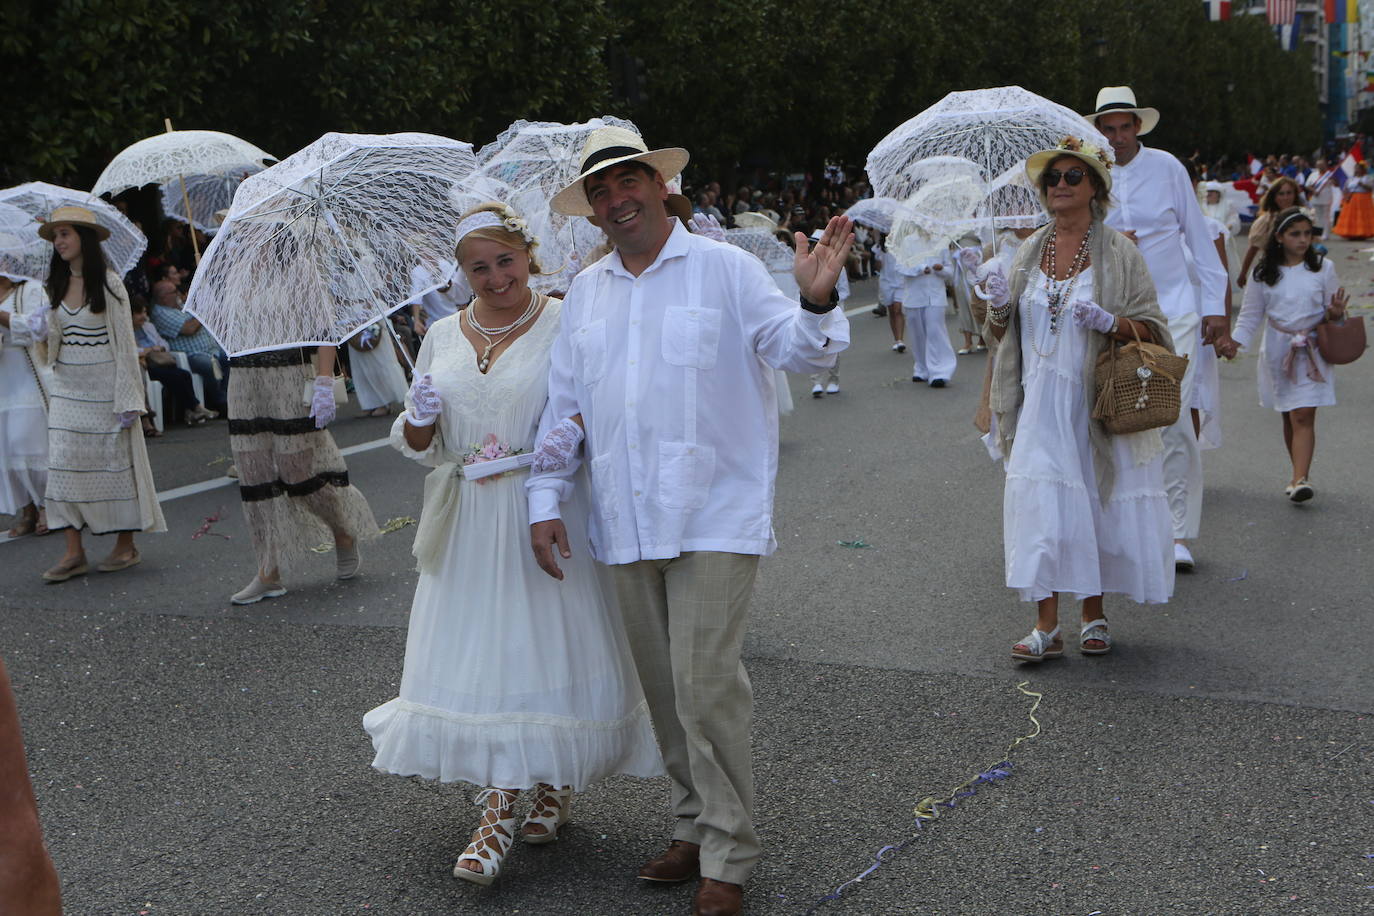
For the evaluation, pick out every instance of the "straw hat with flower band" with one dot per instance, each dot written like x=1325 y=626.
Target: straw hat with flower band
x=608 y=146
x=71 y=215
x=1094 y=157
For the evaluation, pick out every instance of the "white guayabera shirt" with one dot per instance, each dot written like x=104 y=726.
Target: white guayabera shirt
x=672 y=372
x=1152 y=196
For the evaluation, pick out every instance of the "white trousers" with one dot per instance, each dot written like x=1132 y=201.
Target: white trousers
x=1182 y=452
x=933 y=355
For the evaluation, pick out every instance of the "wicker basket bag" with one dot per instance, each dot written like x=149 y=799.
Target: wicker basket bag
x=1138 y=386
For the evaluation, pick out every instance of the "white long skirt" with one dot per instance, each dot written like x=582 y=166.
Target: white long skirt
x=511 y=677
x=1059 y=536
x=378 y=379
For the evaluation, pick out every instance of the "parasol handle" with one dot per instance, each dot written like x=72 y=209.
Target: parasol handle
x=405 y=352
x=186 y=202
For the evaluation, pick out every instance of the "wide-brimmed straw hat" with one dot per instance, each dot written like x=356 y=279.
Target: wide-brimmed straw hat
x=1093 y=156
x=71 y=216
x=608 y=146
x=1121 y=100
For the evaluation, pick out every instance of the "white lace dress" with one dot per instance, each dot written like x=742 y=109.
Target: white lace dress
x=511 y=677
x=23 y=405
x=1058 y=535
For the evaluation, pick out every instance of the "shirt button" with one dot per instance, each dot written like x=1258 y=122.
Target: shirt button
x=634 y=445
x=637 y=493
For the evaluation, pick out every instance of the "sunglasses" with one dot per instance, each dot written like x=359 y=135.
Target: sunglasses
x=1073 y=176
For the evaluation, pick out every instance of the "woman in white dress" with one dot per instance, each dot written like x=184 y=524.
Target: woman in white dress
x=98 y=474
x=378 y=379
x=512 y=680
x=23 y=407
x=1295 y=289
x=1084 y=512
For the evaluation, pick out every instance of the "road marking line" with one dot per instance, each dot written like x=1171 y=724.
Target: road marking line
x=191 y=489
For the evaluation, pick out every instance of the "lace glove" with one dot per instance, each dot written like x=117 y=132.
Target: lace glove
x=37 y=322
x=970 y=258
x=557 y=447
x=322 y=406
x=128 y=418
x=1094 y=317
x=708 y=226
x=995 y=288
x=426 y=400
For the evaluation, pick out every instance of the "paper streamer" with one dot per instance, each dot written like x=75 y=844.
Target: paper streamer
x=928 y=808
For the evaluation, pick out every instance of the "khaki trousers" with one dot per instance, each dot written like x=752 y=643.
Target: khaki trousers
x=685 y=621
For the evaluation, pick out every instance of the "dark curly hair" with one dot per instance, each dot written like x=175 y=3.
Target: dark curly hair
x=1267 y=271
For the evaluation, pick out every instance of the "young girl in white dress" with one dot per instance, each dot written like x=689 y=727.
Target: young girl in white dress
x=1294 y=289
x=512 y=680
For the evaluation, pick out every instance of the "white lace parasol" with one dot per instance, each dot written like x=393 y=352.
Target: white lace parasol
x=23 y=255
x=874 y=212
x=764 y=245
x=38 y=199
x=208 y=195
x=164 y=157
x=994 y=131
x=324 y=243
x=536 y=160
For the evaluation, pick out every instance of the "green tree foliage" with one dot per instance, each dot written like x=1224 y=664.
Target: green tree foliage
x=781 y=83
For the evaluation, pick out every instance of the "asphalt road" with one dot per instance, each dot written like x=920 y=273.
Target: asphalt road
x=194 y=758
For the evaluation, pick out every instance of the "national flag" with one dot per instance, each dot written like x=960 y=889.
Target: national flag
x=1290 y=36
x=1281 y=12
x=1218 y=10
x=1346 y=170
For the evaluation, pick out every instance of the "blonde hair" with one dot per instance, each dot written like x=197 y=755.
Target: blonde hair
x=513 y=234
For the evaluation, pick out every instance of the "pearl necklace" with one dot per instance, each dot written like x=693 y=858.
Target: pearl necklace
x=495 y=336
x=1058 y=292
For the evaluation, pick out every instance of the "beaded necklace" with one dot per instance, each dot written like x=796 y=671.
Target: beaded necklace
x=494 y=336
x=1059 y=293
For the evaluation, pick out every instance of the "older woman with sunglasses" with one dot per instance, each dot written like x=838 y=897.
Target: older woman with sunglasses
x=1084 y=512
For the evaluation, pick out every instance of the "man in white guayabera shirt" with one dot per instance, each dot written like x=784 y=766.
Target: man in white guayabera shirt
x=666 y=351
x=1156 y=206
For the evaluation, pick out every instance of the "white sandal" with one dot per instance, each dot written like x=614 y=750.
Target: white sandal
x=1095 y=629
x=1038 y=646
x=491 y=827
x=552 y=809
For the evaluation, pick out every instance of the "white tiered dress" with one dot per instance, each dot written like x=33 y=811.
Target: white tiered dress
x=511 y=677
x=1058 y=535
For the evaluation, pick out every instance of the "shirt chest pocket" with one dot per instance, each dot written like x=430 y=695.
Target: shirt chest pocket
x=691 y=336
x=589 y=352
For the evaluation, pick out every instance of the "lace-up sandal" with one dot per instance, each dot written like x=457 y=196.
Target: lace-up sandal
x=492 y=839
x=552 y=809
x=1039 y=646
x=1095 y=631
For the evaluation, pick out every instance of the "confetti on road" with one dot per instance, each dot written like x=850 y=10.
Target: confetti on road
x=858 y=544
x=204 y=529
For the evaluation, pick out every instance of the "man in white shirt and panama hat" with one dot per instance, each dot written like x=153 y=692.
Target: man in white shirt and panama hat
x=1156 y=206
x=666 y=349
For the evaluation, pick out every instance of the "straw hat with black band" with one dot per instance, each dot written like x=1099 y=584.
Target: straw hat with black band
x=1121 y=100
x=608 y=146
x=71 y=215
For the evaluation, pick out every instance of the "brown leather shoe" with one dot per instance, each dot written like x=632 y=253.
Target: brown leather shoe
x=718 y=898
x=678 y=863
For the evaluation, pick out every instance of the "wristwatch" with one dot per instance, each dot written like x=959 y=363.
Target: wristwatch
x=821 y=309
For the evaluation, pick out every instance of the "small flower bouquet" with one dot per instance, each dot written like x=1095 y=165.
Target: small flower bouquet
x=490 y=449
